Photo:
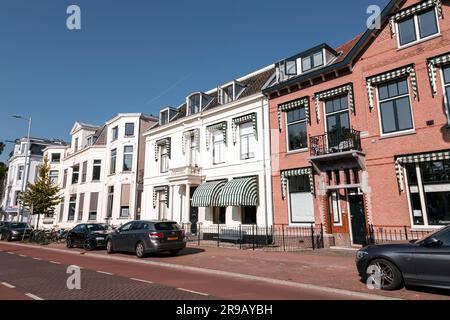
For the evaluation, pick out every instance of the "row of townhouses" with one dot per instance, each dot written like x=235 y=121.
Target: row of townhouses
x=342 y=137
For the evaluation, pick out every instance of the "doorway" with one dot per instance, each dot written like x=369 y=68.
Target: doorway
x=358 y=218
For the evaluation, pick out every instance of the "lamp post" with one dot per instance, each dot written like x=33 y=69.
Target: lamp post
x=26 y=165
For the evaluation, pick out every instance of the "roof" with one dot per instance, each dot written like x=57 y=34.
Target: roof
x=350 y=51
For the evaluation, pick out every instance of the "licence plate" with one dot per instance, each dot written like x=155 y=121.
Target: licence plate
x=172 y=238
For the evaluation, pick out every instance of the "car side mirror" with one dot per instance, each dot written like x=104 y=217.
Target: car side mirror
x=432 y=242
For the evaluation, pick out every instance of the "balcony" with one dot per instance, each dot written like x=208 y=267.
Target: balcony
x=186 y=175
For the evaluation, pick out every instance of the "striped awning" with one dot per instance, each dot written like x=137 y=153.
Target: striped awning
x=285 y=174
x=413 y=10
x=433 y=64
x=243 y=119
x=159 y=143
x=392 y=75
x=239 y=192
x=187 y=135
x=348 y=89
x=222 y=126
x=160 y=189
x=206 y=195
x=291 y=105
x=418 y=158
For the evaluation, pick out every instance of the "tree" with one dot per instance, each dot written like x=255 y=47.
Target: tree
x=3 y=170
x=42 y=196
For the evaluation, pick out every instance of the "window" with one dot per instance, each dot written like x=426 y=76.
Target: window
x=395 y=108
x=129 y=129
x=218 y=147
x=20 y=173
x=335 y=207
x=247 y=141
x=446 y=78
x=65 y=178
x=429 y=192
x=80 y=207
x=112 y=168
x=419 y=26
x=96 y=170
x=61 y=211
x=115 y=133
x=75 y=148
x=75 y=173
x=126 y=227
x=164 y=156
x=338 y=119
x=72 y=205
x=90 y=141
x=296 y=129
x=194 y=103
x=162 y=207
x=16 y=198
x=227 y=94
x=164 y=117
x=291 y=67
x=55 y=157
x=193 y=151
x=93 y=206
x=110 y=201
x=124 y=211
x=301 y=200
x=219 y=215
x=312 y=61
x=54 y=177
x=84 y=172
x=127 y=158
x=248 y=215
x=444 y=237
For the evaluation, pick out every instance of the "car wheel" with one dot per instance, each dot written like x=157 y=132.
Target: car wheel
x=174 y=252
x=9 y=238
x=87 y=245
x=140 y=250
x=386 y=273
x=69 y=243
x=109 y=247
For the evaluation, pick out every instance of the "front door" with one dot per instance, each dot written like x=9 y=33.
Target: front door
x=193 y=212
x=358 y=219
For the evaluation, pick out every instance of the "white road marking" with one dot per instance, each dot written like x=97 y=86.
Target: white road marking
x=32 y=296
x=21 y=255
x=10 y=252
x=191 y=291
x=104 y=272
x=6 y=284
x=140 y=280
x=39 y=259
x=55 y=262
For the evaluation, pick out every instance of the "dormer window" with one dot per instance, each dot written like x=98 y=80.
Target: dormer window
x=164 y=117
x=312 y=61
x=291 y=67
x=197 y=102
x=230 y=92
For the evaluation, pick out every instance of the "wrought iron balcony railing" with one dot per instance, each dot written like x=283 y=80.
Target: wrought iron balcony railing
x=335 y=142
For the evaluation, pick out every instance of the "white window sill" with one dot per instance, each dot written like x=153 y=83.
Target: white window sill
x=397 y=134
x=406 y=46
x=297 y=151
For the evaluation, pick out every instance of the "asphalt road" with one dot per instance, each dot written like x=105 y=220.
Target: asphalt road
x=34 y=273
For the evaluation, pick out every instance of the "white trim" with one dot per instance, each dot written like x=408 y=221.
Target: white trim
x=296 y=224
x=287 y=132
x=446 y=102
x=337 y=192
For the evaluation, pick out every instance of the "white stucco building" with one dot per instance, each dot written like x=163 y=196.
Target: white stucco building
x=101 y=173
x=208 y=160
x=22 y=171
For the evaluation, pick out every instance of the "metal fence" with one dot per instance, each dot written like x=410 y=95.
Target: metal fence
x=383 y=234
x=273 y=238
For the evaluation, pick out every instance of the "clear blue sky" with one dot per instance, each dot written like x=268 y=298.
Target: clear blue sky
x=141 y=55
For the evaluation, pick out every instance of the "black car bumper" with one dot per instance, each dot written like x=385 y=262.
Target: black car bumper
x=361 y=266
x=167 y=246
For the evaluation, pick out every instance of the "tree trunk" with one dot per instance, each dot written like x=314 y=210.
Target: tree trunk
x=37 y=222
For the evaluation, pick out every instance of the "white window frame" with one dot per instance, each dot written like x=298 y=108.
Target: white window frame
x=444 y=93
x=292 y=223
x=164 y=159
x=115 y=162
x=417 y=30
x=193 y=152
x=54 y=176
x=127 y=153
x=250 y=137
x=222 y=159
x=287 y=133
x=330 y=198
x=324 y=108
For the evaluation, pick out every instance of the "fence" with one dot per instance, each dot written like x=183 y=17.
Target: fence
x=273 y=238
x=384 y=234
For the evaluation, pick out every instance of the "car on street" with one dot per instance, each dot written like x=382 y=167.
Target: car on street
x=144 y=237
x=88 y=235
x=424 y=262
x=15 y=231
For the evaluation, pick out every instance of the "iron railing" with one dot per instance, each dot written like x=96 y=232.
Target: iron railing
x=334 y=142
x=273 y=238
x=385 y=234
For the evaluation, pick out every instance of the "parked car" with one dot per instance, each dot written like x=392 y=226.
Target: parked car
x=143 y=237
x=15 y=231
x=88 y=235
x=424 y=262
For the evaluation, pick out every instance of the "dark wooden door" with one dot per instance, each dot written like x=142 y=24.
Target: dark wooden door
x=358 y=219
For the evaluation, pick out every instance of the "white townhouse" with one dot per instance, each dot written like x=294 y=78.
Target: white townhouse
x=101 y=173
x=208 y=161
x=21 y=171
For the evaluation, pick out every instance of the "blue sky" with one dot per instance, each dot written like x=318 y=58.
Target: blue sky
x=142 y=55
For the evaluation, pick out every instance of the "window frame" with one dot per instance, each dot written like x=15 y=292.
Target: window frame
x=288 y=195
x=287 y=124
x=113 y=155
x=330 y=204
x=444 y=92
x=125 y=154
x=311 y=60
x=222 y=143
x=126 y=127
x=75 y=174
x=417 y=29
x=115 y=133
x=94 y=167
x=163 y=159
x=248 y=137
x=326 y=114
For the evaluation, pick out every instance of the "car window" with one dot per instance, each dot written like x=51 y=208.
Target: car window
x=444 y=237
x=166 y=226
x=126 y=227
x=97 y=227
x=76 y=228
x=18 y=225
x=83 y=228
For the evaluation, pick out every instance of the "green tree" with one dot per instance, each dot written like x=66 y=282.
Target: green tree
x=42 y=196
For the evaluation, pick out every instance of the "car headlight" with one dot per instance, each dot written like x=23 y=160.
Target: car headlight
x=361 y=254
x=15 y=232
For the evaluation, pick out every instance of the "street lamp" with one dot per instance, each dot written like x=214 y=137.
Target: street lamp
x=26 y=166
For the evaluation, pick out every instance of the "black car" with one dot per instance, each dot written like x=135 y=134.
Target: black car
x=14 y=231
x=424 y=262
x=88 y=235
x=143 y=237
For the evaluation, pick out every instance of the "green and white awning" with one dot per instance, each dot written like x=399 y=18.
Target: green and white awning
x=348 y=89
x=422 y=6
x=161 y=189
x=285 y=174
x=221 y=126
x=239 y=192
x=243 y=119
x=161 y=143
x=392 y=75
x=291 y=105
x=206 y=195
x=187 y=135
x=418 y=158
x=433 y=64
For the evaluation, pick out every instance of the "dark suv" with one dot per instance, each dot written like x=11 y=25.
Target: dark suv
x=14 y=231
x=143 y=237
x=88 y=235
